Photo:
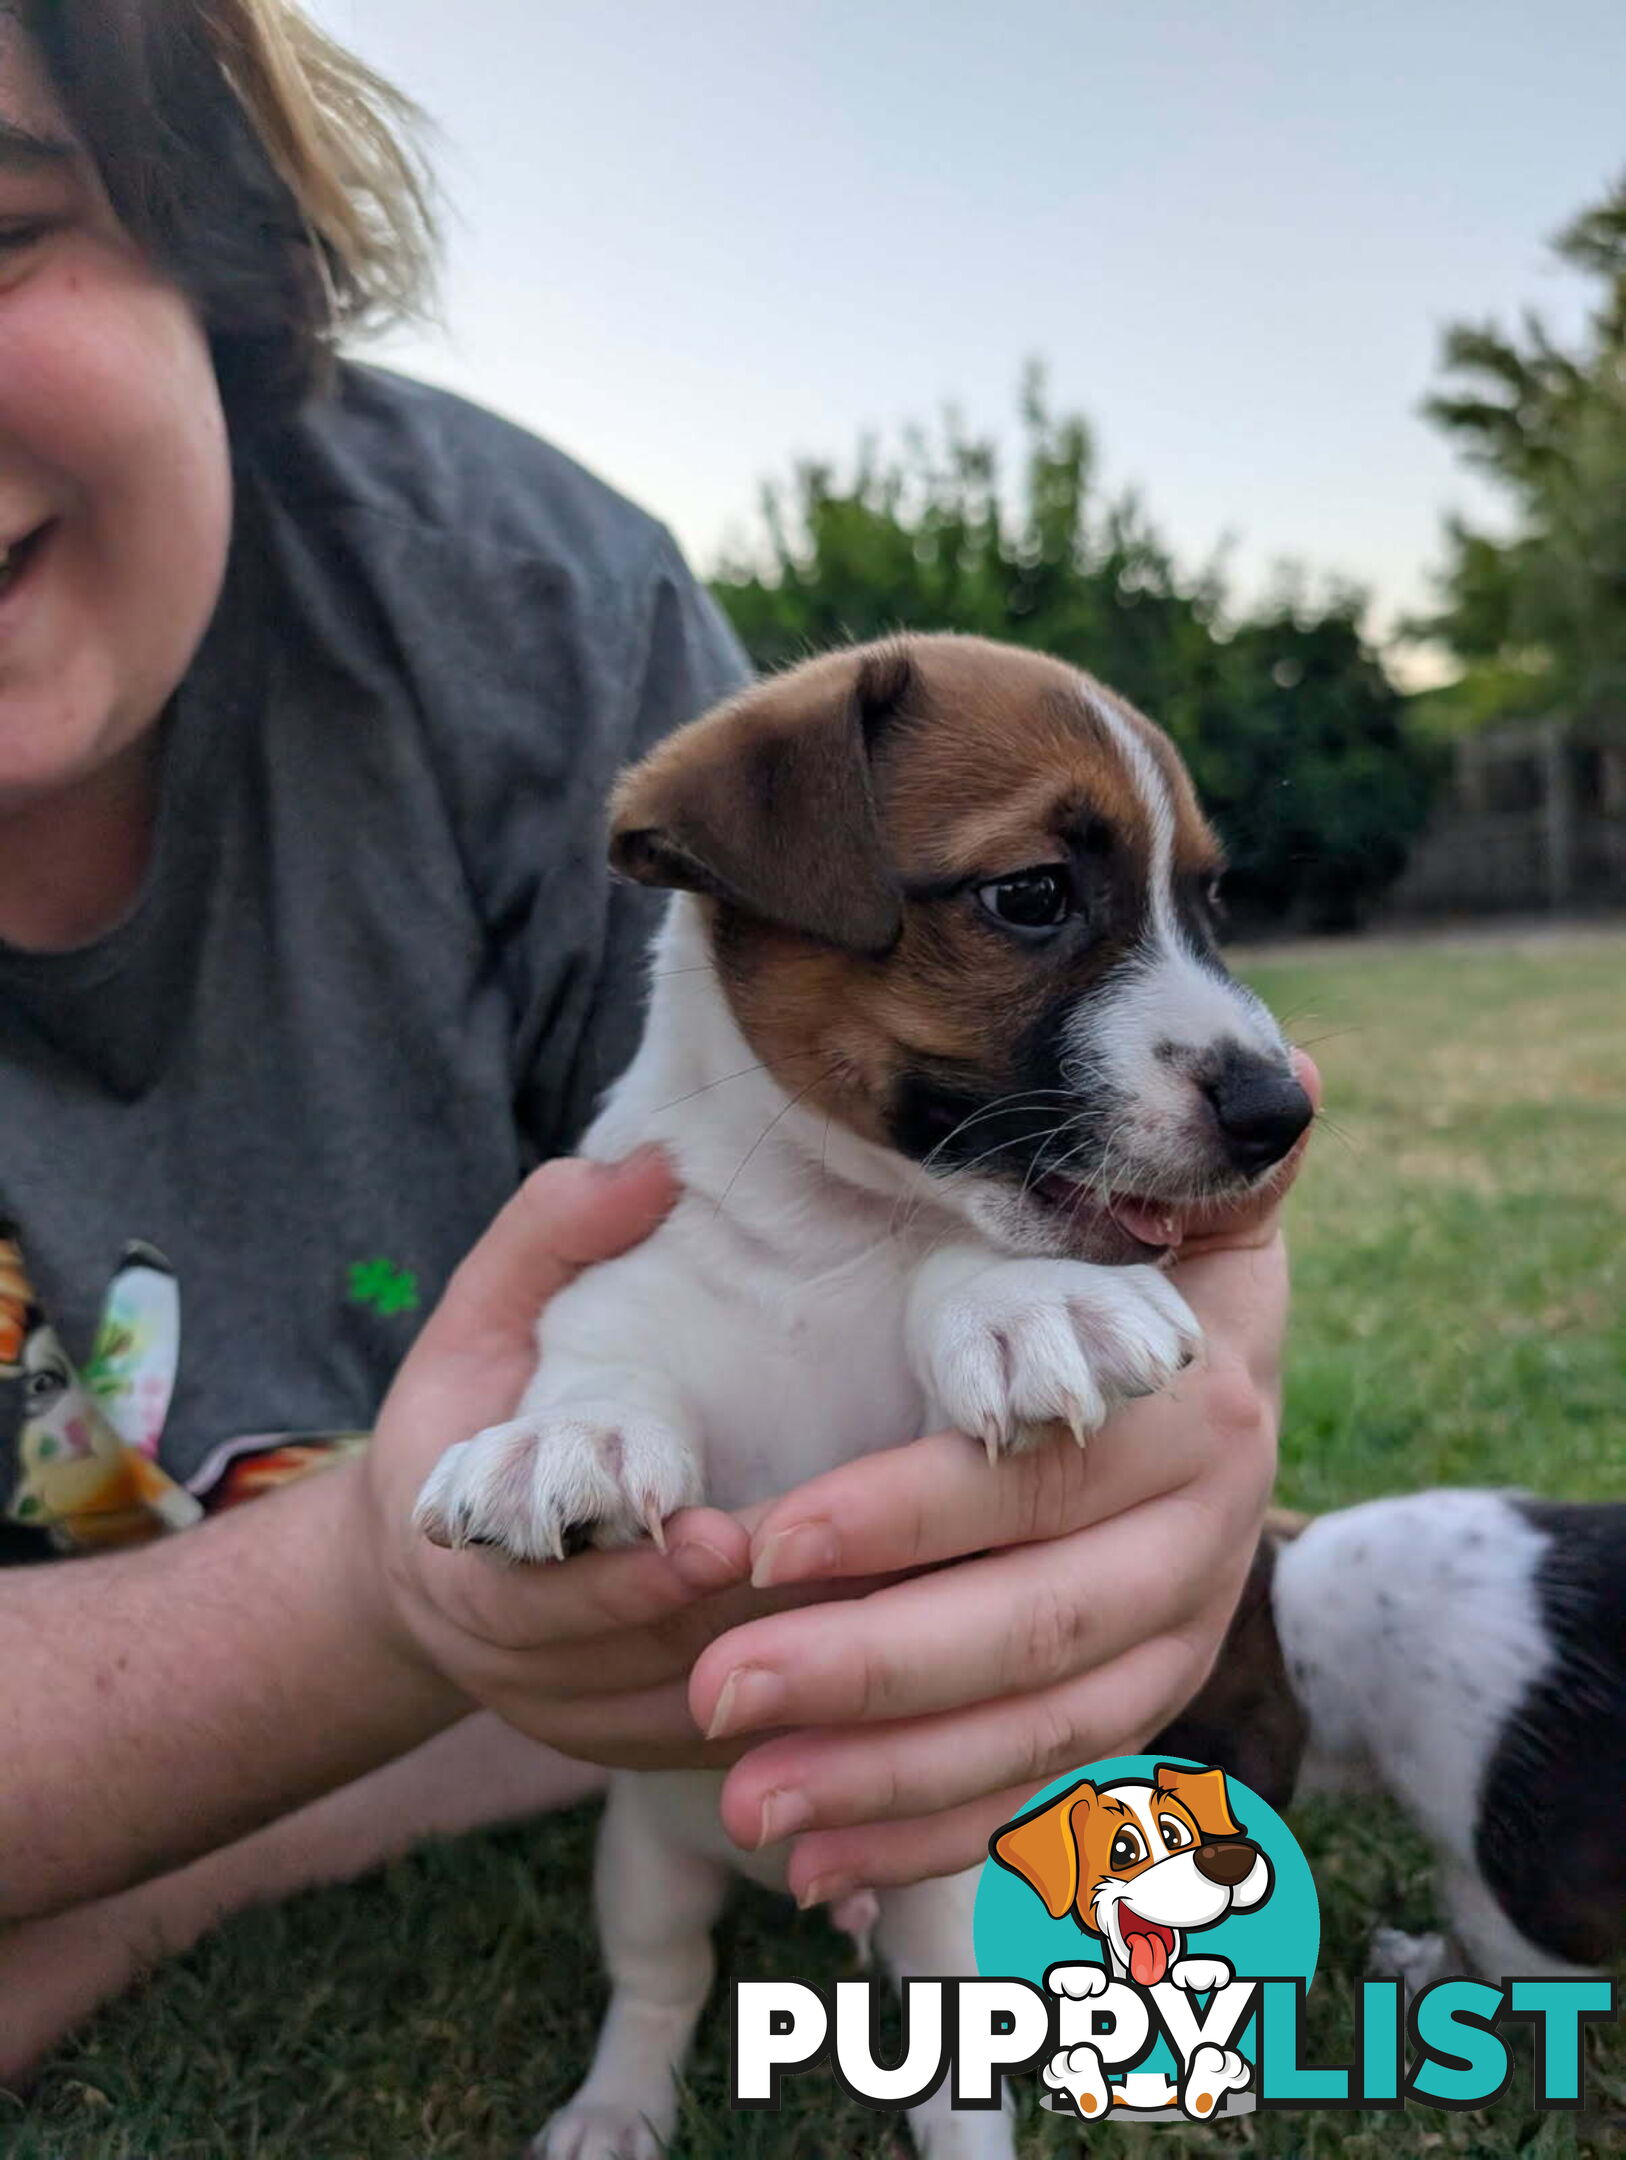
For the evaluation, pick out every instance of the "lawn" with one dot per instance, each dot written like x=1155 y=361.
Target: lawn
x=1458 y=1242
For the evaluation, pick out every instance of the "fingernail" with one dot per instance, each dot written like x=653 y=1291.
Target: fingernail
x=751 y=1696
x=703 y=1566
x=783 y=1814
x=801 y=1554
x=825 y=1889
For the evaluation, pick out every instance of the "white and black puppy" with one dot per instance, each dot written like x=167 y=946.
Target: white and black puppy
x=1464 y=1651
x=940 y=1044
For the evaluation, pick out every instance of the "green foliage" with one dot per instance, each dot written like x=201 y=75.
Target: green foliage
x=1294 y=734
x=1541 y=616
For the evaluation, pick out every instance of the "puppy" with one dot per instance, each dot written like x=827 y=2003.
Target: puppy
x=1465 y=1652
x=941 y=1045
x=1142 y=1864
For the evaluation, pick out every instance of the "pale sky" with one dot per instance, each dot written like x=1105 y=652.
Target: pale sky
x=693 y=241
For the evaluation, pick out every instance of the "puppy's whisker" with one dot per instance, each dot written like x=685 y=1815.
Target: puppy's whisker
x=1331 y=1125
x=964 y=1169
x=745 y=1072
x=801 y=1096
x=1005 y=1105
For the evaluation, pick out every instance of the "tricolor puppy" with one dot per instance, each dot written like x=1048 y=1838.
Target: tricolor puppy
x=1465 y=1652
x=941 y=1046
x=1142 y=1864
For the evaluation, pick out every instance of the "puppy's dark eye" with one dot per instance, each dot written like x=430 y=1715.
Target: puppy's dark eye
x=1126 y=1849
x=1175 y=1834
x=1030 y=901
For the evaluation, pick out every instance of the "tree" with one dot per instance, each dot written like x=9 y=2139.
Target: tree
x=1294 y=734
x=1540 y=618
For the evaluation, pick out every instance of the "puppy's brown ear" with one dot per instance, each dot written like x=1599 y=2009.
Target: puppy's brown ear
x=1203 y=1794
x=1043 y=1847
x=767 y=805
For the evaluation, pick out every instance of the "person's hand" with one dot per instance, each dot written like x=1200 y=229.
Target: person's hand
x=593 y=1655
x=908 y=1724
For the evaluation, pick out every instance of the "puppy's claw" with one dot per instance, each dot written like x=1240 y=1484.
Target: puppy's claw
x=654 y=1521
x=990 y=1441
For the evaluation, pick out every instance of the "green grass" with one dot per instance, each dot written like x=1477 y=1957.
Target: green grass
x=1458 y=1244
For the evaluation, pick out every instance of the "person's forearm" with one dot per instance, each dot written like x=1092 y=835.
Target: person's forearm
x=155 y=1704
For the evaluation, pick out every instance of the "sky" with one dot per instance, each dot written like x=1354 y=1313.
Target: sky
x=695 y=241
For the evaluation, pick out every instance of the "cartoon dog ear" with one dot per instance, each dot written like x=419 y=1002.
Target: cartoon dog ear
x=1043 y=1847
x=767 y=804
x=1203 y=1793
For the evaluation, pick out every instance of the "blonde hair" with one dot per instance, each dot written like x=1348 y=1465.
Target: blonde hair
x=343 y=142
x=275 y=176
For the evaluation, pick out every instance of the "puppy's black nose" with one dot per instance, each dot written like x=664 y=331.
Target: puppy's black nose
x=1261 y=1110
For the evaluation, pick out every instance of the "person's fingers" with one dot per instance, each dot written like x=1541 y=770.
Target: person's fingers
x=940 y=1498
x=853 y=1776
x=1308 y=1074
x=650 y=1729
x=1014 y=1621
x=1126 y=1706
x=477 y=1349
x=510 y=1607
x=829 y=1864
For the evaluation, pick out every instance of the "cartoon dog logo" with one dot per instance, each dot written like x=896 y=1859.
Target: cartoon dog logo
x=1142 y=1864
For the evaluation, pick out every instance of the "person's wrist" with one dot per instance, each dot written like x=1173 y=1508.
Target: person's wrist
x=388 y=1605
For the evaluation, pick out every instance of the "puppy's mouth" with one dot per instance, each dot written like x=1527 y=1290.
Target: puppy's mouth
x=1087 y=1211
x=1150 y=1945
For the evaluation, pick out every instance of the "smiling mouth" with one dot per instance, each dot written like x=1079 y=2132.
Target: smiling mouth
x=16 y=559
x=1150 y=1945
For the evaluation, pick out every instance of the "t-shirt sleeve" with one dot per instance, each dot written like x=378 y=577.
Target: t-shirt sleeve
x=579 y=1022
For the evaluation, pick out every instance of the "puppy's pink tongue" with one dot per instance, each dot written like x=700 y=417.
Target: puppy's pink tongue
x=1152 y=1225
x=1148 y=1960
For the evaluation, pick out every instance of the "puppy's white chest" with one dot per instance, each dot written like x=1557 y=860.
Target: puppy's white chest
x=794 y=1378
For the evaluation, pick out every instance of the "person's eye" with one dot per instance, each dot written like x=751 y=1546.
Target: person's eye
x=1126 y=1849
x=19 y=233
x=1030 y=902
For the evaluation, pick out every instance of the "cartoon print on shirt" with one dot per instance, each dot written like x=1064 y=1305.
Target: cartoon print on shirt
x=86 y=1452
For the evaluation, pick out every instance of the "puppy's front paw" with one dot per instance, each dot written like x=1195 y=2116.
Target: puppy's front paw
x=1027 y=1343
x=1201 y=1975
x=554 y=1480
x=1077 y=1982
x=598 y=2132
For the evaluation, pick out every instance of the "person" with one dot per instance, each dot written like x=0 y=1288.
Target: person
x=312 y=681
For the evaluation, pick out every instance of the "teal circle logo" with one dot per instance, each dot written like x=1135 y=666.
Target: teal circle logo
x=1144 y=1893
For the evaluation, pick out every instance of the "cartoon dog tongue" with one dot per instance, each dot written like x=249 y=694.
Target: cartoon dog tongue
x=1148 y=1950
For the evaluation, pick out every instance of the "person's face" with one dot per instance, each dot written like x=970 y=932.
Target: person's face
x=115 y=479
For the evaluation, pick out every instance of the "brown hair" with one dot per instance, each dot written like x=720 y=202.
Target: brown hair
x=265 y=169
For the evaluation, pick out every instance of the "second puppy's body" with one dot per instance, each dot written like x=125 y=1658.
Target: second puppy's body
x=1463 y=1651
x=937 y=1030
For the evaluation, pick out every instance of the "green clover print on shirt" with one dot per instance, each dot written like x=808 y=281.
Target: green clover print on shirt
x=384 y=1287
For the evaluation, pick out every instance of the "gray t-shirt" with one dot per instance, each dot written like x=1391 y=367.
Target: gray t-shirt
x=377 y=969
